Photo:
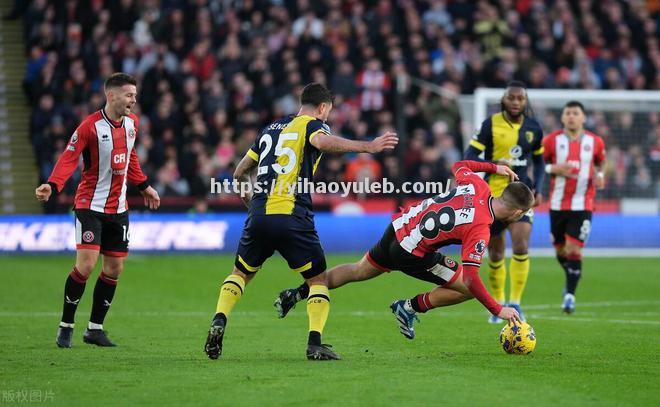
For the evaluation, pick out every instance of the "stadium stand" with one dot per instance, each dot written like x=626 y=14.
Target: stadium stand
x=212 y=72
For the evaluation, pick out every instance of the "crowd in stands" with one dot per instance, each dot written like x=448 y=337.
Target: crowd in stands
x=212 y=72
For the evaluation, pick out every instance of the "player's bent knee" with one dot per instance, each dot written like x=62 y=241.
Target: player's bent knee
x=247 y=277
x=113 y=271
x=85 y=267
x=495 y=255
x=520 y=247
x=319 y=279
x=572 y=250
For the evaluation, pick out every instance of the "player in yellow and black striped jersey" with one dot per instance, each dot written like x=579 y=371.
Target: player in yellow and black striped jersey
x=285 y=154
x=514 y=138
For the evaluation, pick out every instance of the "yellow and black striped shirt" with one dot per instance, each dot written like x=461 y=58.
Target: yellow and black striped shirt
x=286 y=159
x=517 y=143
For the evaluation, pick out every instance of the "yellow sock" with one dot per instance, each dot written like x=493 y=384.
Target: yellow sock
x=497 y=279
x=519 y=270
x=318 y=307
x=231 y=291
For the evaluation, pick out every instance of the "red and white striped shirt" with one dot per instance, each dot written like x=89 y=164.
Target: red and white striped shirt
x=461 y=216
x=109 y=160
x=573 y=194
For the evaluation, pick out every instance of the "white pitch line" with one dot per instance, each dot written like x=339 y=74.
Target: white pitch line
x=580 y=319
x=358 y=313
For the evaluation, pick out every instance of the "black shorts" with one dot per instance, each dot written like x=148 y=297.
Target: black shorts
x=388 y=255
x=102 y=231
x=293 y=236
x=570 y=225
x=498 y=227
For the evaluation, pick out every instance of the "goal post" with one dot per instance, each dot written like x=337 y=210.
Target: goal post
x=602 y=100
x=628 y=121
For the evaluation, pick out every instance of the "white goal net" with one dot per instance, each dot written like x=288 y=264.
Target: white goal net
x=628 y=121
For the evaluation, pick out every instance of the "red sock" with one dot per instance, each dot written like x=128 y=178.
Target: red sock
x=421 y=302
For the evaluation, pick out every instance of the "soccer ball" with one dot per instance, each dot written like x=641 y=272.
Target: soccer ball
x=518 y=338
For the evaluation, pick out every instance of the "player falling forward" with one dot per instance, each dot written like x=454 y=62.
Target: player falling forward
x=279 y=220
x=463 y=215
x=513 y=138
x=575 y=160
x=106 y=140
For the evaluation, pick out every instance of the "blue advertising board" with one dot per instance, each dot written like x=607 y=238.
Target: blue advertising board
x=220 y=232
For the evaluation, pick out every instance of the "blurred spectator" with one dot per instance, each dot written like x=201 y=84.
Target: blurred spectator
x=212 y=73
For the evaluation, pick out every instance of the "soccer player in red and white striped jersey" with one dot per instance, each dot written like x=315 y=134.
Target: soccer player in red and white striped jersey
x=106 y=140
x=410 y=244
x=575 y=159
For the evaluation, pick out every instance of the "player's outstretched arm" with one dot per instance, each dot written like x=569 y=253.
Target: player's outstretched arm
x=484 y=166
x=65 y=165
x=332 y=144
x=242 y=174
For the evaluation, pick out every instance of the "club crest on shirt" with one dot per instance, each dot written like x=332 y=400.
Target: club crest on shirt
x=131 y=133
x=529 y=135
x=586 y=148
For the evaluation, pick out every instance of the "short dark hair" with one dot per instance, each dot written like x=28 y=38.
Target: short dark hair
x=314 y=94
x=517 y=195
x=516 y=84
x=119 y=79
x=575 y=103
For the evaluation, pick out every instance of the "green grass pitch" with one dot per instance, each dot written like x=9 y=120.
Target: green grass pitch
x=608 y=353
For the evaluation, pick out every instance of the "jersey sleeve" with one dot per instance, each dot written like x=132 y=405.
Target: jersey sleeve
x=549 y=149
x=253 y=152
x=135 y=175
x=68 y=161
x=472 y=252
x=316 y=127
x=537 y=145
x=465 y=171
x=599 y=151
x=483 y=137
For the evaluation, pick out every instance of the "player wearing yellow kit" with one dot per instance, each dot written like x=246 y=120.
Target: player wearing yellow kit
x=513 y=138
x=286 y=154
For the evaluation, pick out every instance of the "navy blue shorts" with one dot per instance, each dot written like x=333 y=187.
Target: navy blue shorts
x=293 y=236
x=498 y=227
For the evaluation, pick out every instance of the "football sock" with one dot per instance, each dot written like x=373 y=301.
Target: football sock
x=302 y=292
x=73 y=290
x=230 y=292
x=419 y=303
x=519 y=267
x=497 y=279
x=318 y=308
x=104 y=292
x=573 y=267
x=561 y=259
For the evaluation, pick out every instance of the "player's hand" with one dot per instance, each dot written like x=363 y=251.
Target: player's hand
x=151 y=198
x=387 y=141
x=564 y=170
x=538 y=198
x=599 y=181
x=510 y=314
x=43 y=192
x=506 y=171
